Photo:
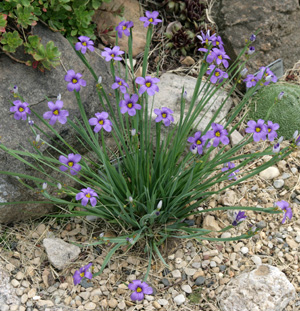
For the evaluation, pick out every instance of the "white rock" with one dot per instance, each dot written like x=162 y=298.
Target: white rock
x=230 y=198
x=278 y=183
x=235 y=138
x=176 y=274
x=190 y=271
x=180 y=299
x=90 y=306
x=60 y=253
x=244 y=250
x=210 y=223
x=256 y=260
x=122 y=305
x=294 y=170
x=186 y=288
x=263 y=289
x=226 y=235
x=213 y=264
x=169 y=95
x=163 y=302
x=270 y=173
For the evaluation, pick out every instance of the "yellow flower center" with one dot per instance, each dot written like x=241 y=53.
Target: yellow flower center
x=164 y=115
x=74 y=81
x=220 y=57
x=112 y=55
x=138 y=290
x=124 y=27
x=206 y=41
x=100 y=122
x=269 y=130
x=148 y=84
x=88 y=195
x=55 y=112
x=252 y=80
x=21 y=109
x=129 y=105
x=217 y=74
x=84 y=43
x=71 y=163
x=150 y=20
x=218 y=134
x=217 y=42
x=82 y=274
x=198 y=142
x=258 y=129
x=120 y=83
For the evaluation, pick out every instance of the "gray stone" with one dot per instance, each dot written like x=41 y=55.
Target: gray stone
x=60 y=253
x=235 y=138
x=278 y=183
x=278 y=21
x=263 y=289
x=200 y=280
x=34 y=86
x=8 y=294
x=169 y=95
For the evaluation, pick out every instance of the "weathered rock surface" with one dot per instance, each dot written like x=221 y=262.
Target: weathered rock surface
x=60 y=253
x=34 y=86
x=278 y=21
x=7 y=292
x=263 y=289
x=169 y=95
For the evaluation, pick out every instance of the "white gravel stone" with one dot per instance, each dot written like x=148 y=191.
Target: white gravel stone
x=176 y=274
x=244 y=250
x=196 y=265
x=180 y=299
x=190 y=271
x=122 y=305
x=15 y=283
x=278 y=183
x=226 y=235
x=294 y=170
x=163 y=302
x=297 y=239
x=186 y=288
x=270 y=173
x=213 y=264
x=90 y=306
x=256 y=260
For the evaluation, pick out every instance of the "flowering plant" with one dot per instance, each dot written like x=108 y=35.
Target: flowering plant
x=153 y=183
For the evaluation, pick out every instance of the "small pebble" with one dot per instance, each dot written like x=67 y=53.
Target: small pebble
x=180 y=299
x=90 y=306
x=186 y=288
x=163 y=302
x=176 y=274
x=200 y=280
x=244 y=250
x=165 y=282
x=213 y=264
x=278 y=183
x=222 y=267
x=256 y=260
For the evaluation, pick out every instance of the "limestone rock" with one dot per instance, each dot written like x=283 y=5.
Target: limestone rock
x=270 y=173
x=230 y=198
x=7 y=292
x=210 y=223
x=60 y=253
x=235 y=138
x=263 y=289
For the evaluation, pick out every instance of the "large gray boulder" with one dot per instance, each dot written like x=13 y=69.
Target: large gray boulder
x=278 y=21
x=34 y=86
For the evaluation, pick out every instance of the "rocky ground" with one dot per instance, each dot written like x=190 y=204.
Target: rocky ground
x=198 y=271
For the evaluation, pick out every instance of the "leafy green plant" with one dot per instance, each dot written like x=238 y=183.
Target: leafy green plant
x=3 y=22
x=11 y=41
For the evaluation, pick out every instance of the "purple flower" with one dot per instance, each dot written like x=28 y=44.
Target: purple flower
x=229 y=166
x=284 y=205
x=267 y=75
x=252 y=38
x=139 y=288
x=218 y=133
x=70 y=163
x=240 y=216
x=271 y=128
x=250 y=80
x=75 y=81
x=280 y=95
x=86 y=195
x=218 y=43
x=20 y=109
x=218 y=74
x=120 y=83
x=276 y=148
x=197 y=142
x=85 y=43
x=113 y=53
x=84 y=271
x=210 y=56
x=147 y=84
x=259 y=129
x=220 y=57
x=207 y=38
x=150 y=19
x=56 y=113
x=164 y=115
x=100 y=121
x=123 y=27
x=128 y=104
x=251 y=50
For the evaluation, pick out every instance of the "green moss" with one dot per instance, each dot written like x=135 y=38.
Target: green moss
x=196 y=296
x=286 y=112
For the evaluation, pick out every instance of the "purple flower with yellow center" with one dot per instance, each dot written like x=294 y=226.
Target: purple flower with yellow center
x=228 y=166
x=197 y=142
x=87 y=195
x=83 y=272
x=218 y=74
x=128 y=104
x=140 y=289
x=284 y=205
x=210 y=57
x=147 y=84
x=218 y=43
x=101 y=121
x=123 y=27
x=56 y=113
x=20 y=109
x=120 y=83
x=84 y=44
x=150 y=18
x=267 y=75
x=238 y=217
x=250 y=80
x=165 y=115
x=272 y=128
x=71 y=162
x=218 y=133
x=221 y=57
x=259 y=129
x=113 y=53
x=75 y=81
x=207 y=38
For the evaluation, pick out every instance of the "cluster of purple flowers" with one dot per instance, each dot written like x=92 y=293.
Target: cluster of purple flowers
x=229 y=166
x=261 y=130
x=264 y=77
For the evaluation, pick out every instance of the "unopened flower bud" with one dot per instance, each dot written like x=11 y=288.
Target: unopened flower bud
x=251 y=50
x=194 y=150
x=15 y=89
x=184 y=95
x=276 y=148
x=101 y=235
x=159 y=205
x=99 y=79
x=280 y=95
x=30 y=122
x=38 y=138
x=59 y=186
x=44 y=185
x=280 y=139
x=131 y=241
x=133 y=132
x=252 y=38
x=244 y=72
x=59 y=97
x=295 y=135
x=130 y=199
